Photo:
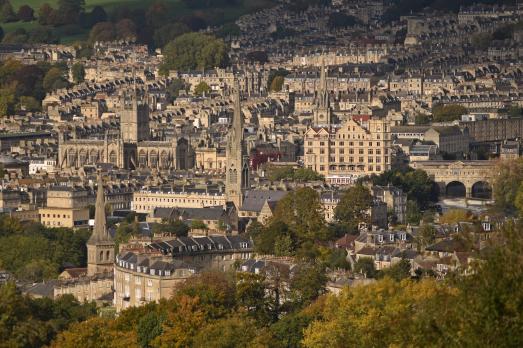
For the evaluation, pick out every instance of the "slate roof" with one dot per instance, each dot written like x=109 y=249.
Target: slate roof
x=255 y=199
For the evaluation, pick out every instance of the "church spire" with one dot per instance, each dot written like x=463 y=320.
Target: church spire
x=237 y=117
x=100 y=233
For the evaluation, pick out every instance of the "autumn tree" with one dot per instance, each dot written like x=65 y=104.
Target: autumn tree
x=277 y=84
x=425 y=236
x=25 y=13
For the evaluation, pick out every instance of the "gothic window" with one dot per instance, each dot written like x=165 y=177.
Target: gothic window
x=93 y=157
x=83 y=157
x=112 y=157
x=154 y=159
x=142 y=159
x=101 y=255
x=71 y=157
x=233 y=176
x=107 y=255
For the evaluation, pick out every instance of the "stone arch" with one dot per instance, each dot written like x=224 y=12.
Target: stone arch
x=455 y=189
x=481 y=189
x=101 y=255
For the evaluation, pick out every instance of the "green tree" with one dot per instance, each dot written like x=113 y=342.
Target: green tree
x=169 y=32
x=445 y=113
x=508 y=179
x=102 y=32
x=29 y=103
x=365 y=266
x=7 y=14
x=194 y=51
x=235 y=331
x=354 y=206
x=54 y=79
x=198 y=225
x=398 y=271
x=307 y=284
x=302 y=212
x=70 y=10
x=177 y=227
x=426 y=235
x=46 y=14
x=78 y=72
x=202 y=89
x=413 y=213
x=148 y=328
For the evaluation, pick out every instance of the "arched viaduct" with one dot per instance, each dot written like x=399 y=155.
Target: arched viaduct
x=471 y=179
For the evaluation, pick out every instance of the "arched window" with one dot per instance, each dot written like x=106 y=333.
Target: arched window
x=101 y=255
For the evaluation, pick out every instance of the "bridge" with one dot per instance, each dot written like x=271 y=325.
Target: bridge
x=470 y=179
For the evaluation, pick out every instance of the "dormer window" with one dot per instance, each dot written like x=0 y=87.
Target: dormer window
x=152 y=272
x=220 y=246
x=380 y=238
x=391 y=237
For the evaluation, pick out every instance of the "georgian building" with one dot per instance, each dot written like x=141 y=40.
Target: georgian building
x=344 y=153
x=146 y=272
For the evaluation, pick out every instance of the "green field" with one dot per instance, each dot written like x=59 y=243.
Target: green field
x=214 y=16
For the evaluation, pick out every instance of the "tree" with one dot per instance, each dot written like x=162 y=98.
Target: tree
x=54 y=79
x=277 y=84
x=25 y=13
x=202 y=89
x=508 y=179
x=446 y=113
x=1 y=34
x=354 y=206
x=453 y=216
x=307 y=284
x=198 y=225
x=70 y=10
x=7 y=14
x=103 y=31
x=194 y=51
x=251 y=295
x=235 y=331
x=398 y=271
x=78 y=72
x=46 y=14
x=413 y=213
x=126 y=30
x=168 y=32
x=422 y=119
x=426 y=235
x=365 y=266
x=174 y=87
x=341 y=20
x=148 y=328
x=177 y=227
x=302 y=212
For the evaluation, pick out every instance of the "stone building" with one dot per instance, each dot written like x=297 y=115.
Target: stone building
x=94 y=283
x=237 y=170
x=149 y=271
x=344 y=153
x=131 y=148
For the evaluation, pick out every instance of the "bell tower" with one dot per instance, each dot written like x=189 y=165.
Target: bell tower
x=100 y=246
x=237 y=169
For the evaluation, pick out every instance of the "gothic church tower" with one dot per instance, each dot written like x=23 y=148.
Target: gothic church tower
x=134 y=118
x=100 y=246
x=237 y=169
x=322 y=110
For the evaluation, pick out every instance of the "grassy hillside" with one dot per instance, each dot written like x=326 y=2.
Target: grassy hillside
x=213 y=16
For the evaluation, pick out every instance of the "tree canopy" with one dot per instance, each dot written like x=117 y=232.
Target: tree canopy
x=194 y=51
